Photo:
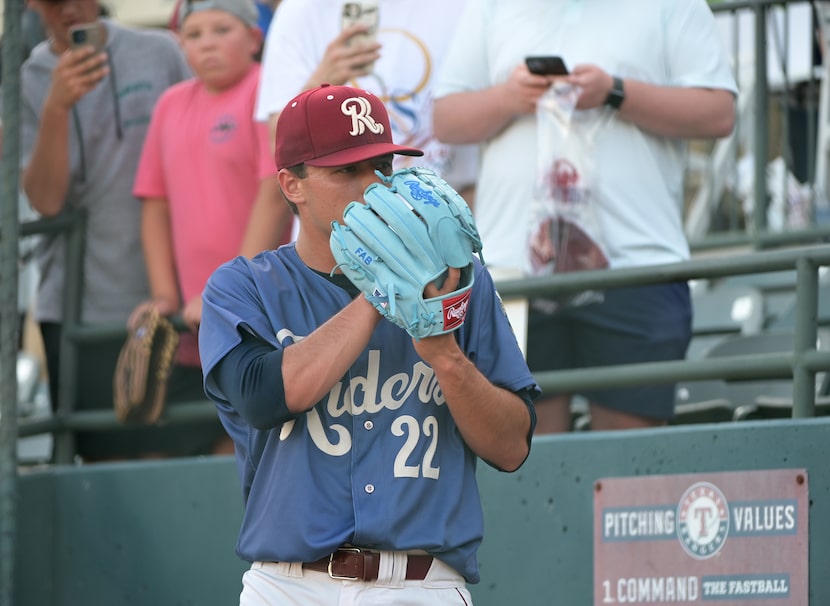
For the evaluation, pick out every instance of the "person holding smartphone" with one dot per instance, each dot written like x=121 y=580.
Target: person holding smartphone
x=389 y=47
x=662 y=76
x=85 y=113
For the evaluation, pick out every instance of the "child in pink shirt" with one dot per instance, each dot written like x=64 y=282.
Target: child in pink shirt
x=204 y=164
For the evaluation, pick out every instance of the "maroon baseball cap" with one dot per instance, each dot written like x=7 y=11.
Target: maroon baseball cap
x=334 y=126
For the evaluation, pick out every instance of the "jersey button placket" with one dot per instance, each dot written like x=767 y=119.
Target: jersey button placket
x=368 y=426
x=369 y=488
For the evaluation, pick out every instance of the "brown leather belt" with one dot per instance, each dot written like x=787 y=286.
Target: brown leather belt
x=351 y=563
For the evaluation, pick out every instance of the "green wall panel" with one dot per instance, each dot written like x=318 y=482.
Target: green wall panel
x=163 y=532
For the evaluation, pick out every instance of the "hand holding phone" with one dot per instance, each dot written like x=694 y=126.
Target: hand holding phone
x=549 y=65
x=362 y=13
x=85 y=34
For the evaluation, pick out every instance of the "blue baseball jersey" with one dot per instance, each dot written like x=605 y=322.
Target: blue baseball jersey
x=378 y=462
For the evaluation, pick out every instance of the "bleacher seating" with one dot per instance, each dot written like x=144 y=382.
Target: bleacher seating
x=723 y=309
x=777 y=407
x=710 y=400
x=786 y=317
x=776 y=287
x=720 y=311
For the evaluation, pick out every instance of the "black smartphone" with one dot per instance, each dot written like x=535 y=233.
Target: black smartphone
x=547 y=66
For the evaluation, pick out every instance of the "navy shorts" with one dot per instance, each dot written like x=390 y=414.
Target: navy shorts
x=630 y=325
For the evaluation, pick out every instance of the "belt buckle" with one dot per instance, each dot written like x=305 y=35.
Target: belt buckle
x=331 y=561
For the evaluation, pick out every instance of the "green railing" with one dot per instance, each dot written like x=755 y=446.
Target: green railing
x=801 y=363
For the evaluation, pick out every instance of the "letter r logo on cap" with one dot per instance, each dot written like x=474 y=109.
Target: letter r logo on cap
x=360 y=111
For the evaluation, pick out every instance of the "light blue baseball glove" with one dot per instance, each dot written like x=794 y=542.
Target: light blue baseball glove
x=410 y=230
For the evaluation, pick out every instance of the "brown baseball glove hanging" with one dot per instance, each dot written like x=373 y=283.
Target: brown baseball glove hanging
x=143 y=367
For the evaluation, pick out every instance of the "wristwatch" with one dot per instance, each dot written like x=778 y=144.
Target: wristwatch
x=616 y=95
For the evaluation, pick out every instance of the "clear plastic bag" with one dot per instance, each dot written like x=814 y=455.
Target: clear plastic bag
x=565 y=233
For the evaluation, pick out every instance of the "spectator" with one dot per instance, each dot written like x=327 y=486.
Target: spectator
x=337 y=446
x=305 y=47
x=84 y=117
x=661 y=70
x=265 y=12
x=205 y=161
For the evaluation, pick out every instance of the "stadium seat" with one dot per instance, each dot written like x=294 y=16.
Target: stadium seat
x=777 y=407
x=706 y=411
x=720 y=311
x=786 y=319
x=752 y=397
x=767 y=398
x=727 y=309
x=776 y=287
x=723 y=310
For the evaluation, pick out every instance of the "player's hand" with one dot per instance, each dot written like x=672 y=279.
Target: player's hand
x=77 y=72
x=446 y=284
x=345 y=59
x=192 y=313
x=430 y=347
x=595 y=82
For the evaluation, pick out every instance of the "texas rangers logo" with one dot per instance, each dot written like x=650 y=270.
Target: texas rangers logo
x=421 y=194
x=360 y=111
x=702 y=520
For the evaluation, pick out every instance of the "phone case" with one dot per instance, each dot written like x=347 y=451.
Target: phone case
x=365 y=13
x=546 y=66
x=89 y=33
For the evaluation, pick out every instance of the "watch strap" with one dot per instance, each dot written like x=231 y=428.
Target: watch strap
x=616 y=95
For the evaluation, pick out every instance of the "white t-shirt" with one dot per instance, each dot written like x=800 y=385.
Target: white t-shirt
x=415 y=37
x=639 y=177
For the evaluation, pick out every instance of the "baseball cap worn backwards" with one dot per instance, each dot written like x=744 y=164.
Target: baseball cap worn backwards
x=334 y=126
x=243 y=9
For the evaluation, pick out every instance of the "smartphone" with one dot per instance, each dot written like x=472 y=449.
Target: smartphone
x=88 y=34
x=364 y=13
x=547 y=66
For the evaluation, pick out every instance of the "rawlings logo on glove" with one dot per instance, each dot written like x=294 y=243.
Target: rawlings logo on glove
x=410 y=230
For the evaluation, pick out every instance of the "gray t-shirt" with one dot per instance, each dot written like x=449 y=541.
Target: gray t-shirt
x=108 y=130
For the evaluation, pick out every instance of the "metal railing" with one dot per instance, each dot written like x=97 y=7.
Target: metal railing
x=801 y=364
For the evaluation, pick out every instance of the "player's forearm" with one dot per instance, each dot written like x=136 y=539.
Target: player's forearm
x=46 y=179
x=313 y=365
x=679 y=112
x=473 y=116
x=493 y=421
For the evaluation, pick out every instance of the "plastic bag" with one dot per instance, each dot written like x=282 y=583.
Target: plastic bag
x=565 y=233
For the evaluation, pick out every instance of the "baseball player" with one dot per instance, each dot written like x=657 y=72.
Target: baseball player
x=357 y=440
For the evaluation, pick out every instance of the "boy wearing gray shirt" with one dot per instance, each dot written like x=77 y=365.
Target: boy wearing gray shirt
x=85 y=113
